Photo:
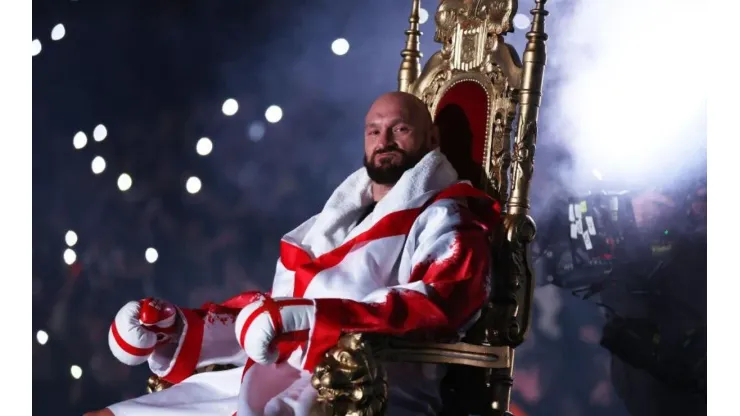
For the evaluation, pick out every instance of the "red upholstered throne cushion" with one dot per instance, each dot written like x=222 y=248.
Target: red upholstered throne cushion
x=461 y=116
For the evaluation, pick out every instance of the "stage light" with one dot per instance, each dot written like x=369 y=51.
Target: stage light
x=42 y=337
x=80 y=140
x=70 y=238
x=340 y=46
x=100 y=133
x=193 y=185
x=256 y=131
x=423 y=16
x=273 y=114
x=521 y=21
x=58 y=32
x=70 y=256
x=98 y=165
x=151 y=255
x=230 y=107
x=125 y=182
x=204 y=146
x=75 y=371
x=36 y=47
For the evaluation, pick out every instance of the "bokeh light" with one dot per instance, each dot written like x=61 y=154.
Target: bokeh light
x=98 y=165
x=273 y=114
x=76 y=372
x=42 y=337
x=58 y=32
x=230 y=107
x=204 y=146
x=36 y=47
x=521 y=21
x=151 y=255
x=80 y=140
x=70 y=257
x=340 y=46
x=100 y=133
x=256 y=131
x=125 y=182
x=70 y=238
x=423 y=15
x=192 y=185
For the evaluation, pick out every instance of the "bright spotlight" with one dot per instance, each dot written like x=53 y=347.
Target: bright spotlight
x=36 y=47
x=125 y=182
x=193 y=185
x=230 y=107
x=423 y=16
x=204 y=146
x=98 y=165
x=273 y=114
x=42 y=337
x=100 y=133
x=80 y=140
x=76 y=372
x=58 y=32
x=340 y=46
x=70 y=256
x=151 y=255
x=70 y=238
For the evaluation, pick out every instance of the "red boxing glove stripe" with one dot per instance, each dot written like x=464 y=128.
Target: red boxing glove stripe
x=272 y=307
x=128 y=348
x=274 y=310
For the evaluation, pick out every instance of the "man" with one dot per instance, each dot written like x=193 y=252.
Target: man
x=400 y=247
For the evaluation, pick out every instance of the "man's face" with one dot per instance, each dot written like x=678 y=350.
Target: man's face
x=398 y=133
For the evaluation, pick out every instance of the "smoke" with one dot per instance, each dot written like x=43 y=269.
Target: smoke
x=627 y=91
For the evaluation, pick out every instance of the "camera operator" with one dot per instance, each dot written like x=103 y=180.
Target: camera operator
x=641 y=258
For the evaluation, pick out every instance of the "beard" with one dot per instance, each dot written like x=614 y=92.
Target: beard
x=389 y=171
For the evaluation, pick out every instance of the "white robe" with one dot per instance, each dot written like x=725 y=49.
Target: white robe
x=418 y=262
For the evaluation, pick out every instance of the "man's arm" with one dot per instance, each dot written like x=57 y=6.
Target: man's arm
x=448 y=284
x=200 y=337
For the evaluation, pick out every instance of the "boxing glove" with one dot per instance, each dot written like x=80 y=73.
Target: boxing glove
x=139 y=327
x=263 y=323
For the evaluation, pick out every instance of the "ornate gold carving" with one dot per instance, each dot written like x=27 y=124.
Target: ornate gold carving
x=349 y=380
x=411 y=55
x=155 y=384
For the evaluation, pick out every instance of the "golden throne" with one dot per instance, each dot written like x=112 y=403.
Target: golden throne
x=480 y=94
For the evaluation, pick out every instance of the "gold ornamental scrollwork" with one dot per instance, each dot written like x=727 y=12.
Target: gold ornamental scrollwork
x=350 y=381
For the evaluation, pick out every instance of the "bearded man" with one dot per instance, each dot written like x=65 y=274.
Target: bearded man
x=401 y=247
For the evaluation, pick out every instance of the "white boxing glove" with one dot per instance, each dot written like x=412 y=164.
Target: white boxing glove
x=261 y=324
x=139 y=327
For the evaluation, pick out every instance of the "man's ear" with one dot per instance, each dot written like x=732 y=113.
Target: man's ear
x=434 y=138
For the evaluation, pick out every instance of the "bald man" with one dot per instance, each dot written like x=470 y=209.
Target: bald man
x=401 y=246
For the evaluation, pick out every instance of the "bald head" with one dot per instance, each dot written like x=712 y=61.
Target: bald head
x=398 y=133
x=409 y=104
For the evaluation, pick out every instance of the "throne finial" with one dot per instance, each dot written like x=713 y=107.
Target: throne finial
x=411 y=62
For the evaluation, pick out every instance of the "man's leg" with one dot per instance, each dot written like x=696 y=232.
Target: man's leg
x=212 y=393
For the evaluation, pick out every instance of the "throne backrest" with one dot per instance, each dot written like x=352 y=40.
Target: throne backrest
x=471 y=88
x=485 y=101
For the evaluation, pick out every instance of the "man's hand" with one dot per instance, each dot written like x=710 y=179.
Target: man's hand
x=649 y=206
x=139 y=327
x=267 y=321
